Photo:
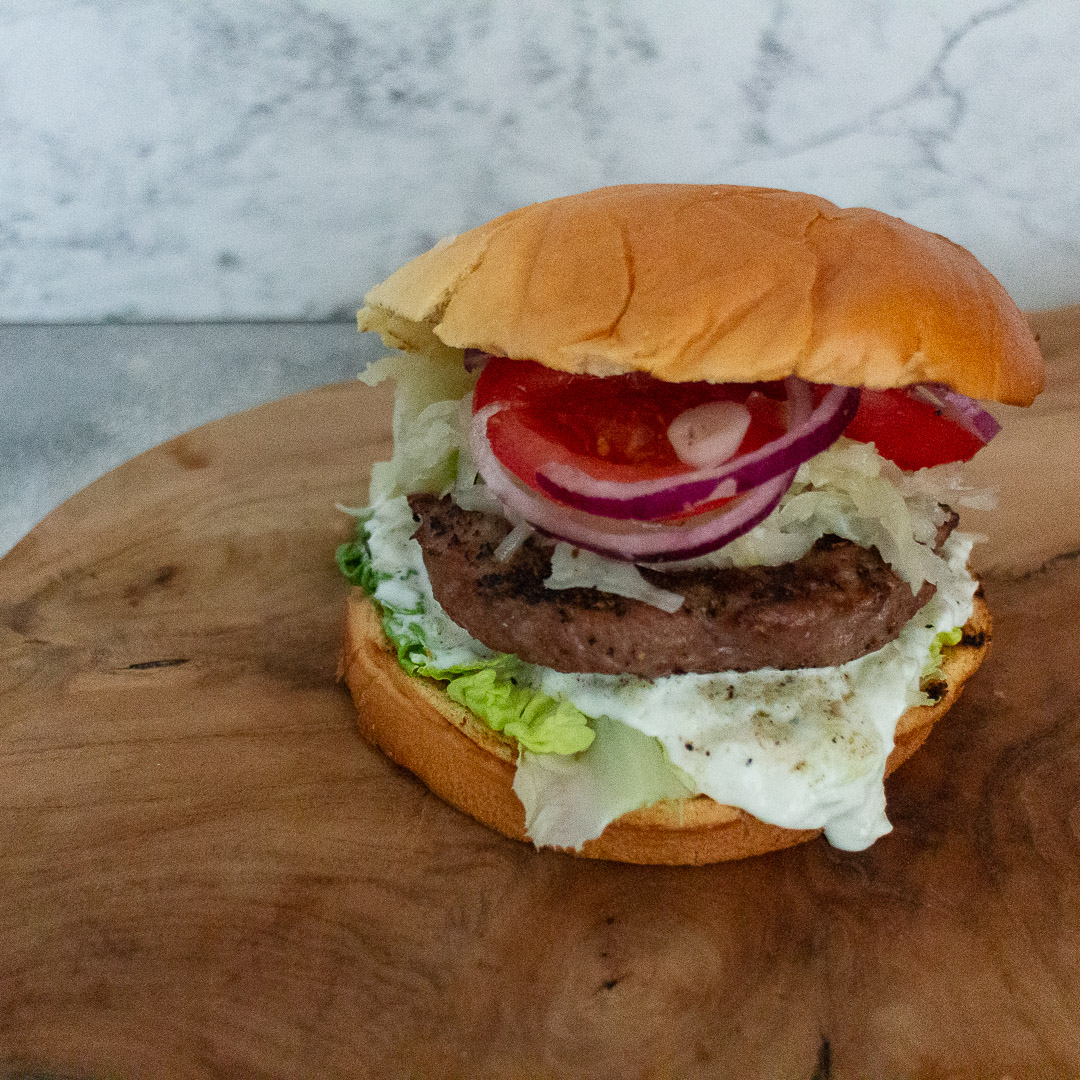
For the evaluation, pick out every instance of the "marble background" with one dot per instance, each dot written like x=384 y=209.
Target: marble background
x=218 y=159
x=271 y=159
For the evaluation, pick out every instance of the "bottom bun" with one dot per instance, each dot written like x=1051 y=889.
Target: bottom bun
x=471 y=766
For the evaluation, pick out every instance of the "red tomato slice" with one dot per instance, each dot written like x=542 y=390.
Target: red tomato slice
x=914 y=434
x=613 y=428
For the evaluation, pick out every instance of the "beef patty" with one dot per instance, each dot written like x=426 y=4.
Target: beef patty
x=838 y=602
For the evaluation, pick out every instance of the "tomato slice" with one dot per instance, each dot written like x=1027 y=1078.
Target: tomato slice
x=615 y=427
x=912 y=433
x=612 y=428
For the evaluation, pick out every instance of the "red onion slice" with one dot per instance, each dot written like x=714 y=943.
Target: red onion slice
x=631 y=541
x=475 y=359
x=959 y=408
x=810 y=431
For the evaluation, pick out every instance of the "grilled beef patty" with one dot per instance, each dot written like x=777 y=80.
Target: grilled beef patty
x=838 y=602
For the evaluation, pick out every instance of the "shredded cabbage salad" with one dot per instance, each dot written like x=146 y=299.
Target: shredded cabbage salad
x=801 y=749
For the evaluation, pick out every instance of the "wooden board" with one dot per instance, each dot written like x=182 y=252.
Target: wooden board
x=206 y=873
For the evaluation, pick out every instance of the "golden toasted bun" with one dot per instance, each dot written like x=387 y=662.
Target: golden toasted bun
x=722 y=283
x=472 y=767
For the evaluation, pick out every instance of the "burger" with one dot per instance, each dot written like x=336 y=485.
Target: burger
x=664 y=567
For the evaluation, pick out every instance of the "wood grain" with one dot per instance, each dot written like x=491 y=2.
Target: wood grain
x=207 y=873
x=1034 y=463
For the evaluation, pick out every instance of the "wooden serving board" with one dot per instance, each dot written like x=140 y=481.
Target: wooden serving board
x=204 y=872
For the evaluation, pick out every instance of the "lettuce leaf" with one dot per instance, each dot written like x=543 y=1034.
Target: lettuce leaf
x=848 y=490
x=431 y=398
x=577 y=568
x=484 y=684
x=540 y=724
x=569 y=800
x=354 y=561
x=941 y=640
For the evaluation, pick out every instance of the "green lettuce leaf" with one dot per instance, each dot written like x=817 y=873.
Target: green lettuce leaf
x=946 y=637
x=354 y=559
x=541 y=724
x=569 y=800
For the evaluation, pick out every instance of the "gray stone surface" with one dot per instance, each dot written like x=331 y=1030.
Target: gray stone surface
x=75 y=401
x=275 y=158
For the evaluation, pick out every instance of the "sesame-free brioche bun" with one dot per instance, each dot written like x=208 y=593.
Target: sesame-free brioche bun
x=715 y=282
x=469 y=765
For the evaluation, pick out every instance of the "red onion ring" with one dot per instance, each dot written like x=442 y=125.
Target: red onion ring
x=630 y=541
x=960 y=409
x=810 y=431
x=475 y=360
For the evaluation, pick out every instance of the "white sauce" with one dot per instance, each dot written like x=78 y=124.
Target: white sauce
x=801 y=749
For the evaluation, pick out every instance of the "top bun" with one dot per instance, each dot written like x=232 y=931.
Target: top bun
x=715 y=282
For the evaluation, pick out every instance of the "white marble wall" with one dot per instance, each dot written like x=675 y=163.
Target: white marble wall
x=191 y=159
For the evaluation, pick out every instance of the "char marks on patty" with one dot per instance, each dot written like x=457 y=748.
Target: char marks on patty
x=838 y=602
